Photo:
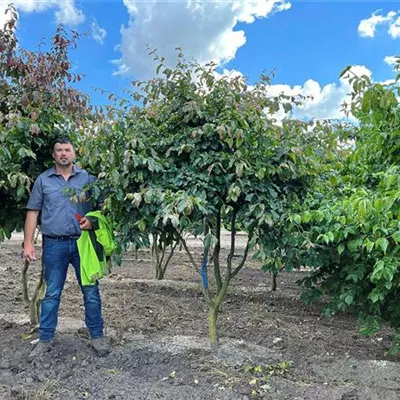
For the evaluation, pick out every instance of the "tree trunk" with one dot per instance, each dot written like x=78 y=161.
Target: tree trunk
x=24 y=281
x=160 y=272
x=213 y=309
x=34 y=305
x=212 y=326
x=273 y=282
x=161 y=263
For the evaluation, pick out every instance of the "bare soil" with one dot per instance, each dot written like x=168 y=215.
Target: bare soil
x=272 y=345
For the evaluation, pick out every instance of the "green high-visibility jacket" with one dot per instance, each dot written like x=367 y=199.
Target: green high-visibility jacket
x=95 y=248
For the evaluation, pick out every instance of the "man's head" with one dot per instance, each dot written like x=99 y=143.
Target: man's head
x=63 y=152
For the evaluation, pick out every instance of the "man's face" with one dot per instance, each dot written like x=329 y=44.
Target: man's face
x=63 y=154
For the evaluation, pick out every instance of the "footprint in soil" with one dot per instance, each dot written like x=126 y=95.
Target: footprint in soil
x=352 y=395
x=5 y=324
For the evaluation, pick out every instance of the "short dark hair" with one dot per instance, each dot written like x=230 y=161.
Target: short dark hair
x=63 y=140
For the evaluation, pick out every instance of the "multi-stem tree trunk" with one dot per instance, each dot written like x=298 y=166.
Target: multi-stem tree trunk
x=158 y=250
x=214 y=300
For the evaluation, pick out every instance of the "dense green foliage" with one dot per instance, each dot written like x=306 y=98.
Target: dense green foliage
x=194 y=152
x=201 y=154
x=37 y=104
x=354 y=218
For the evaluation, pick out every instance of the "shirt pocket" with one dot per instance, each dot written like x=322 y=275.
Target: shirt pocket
x=52 y=196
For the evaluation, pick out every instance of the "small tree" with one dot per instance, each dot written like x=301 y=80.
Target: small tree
x=37 y=104
x=283 y=242
x=201 y=152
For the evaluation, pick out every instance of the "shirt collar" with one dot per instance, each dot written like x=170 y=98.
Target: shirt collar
x=75 y=170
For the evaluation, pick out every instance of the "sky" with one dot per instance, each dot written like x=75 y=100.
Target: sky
x=306 y=43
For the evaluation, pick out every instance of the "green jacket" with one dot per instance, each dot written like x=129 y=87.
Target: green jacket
x=95 y=248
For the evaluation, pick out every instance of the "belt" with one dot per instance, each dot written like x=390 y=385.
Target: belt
x=72 y=237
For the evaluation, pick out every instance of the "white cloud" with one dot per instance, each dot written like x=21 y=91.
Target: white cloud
x=387 y=82
x=317 y=101
x=321 y=102
x=394 y=28
x=69 y=14
x=99 y=34
x=66 y=12
x=367 y=27
x=391 y=60
x=205 y=30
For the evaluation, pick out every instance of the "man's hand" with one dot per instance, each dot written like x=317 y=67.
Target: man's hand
x=29 y=252
x=85 y=224
x=30 y=226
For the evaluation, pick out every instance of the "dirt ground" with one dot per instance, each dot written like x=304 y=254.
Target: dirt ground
x=272 y=345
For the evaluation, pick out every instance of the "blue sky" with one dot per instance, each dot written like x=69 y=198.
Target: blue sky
x=308 y=43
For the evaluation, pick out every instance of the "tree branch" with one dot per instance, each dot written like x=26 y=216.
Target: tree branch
x=163 y=248
x=240 y=266
x=232 y=250
x=169 y=256
x=207 y=292
x=185 y=246
x=217 y=249
x=24 y=280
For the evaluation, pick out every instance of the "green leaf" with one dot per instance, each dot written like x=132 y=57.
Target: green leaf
x=396 y=237
x=383 y=243
x=239 y=169
x=210 y=240
x=354 y=245
x=230 y=142
x=362 y=208
x=349 y=299
x=296 y=218
x=341 y=248
x=261 y=173
x=306 y=217
x=368 y=244
x=347 y=69
x=378 y=271
x=375 y=296
x=142 y=225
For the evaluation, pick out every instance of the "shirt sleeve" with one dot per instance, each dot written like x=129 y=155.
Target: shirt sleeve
x=35 y=201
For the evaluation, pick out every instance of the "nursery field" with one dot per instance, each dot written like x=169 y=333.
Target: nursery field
x=272 y=345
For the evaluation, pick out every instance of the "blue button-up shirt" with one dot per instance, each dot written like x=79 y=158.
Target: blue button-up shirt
x=58 y=211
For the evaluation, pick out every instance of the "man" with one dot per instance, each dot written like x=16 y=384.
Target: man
x=61 y=229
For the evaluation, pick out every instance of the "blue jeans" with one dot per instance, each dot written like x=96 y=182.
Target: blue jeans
x=57 y=255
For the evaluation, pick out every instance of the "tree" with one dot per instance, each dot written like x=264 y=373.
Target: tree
x=37 y=104
x=355 y=225
x=196 y=152
x=284 y=244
